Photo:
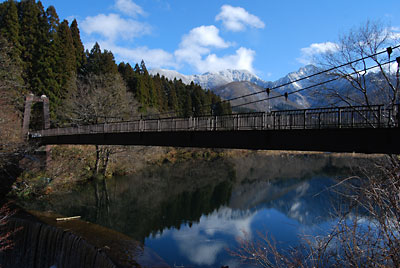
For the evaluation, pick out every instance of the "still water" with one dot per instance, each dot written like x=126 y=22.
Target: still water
x=190 y=213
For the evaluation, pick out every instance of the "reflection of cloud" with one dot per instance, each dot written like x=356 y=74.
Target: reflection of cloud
x=228 y=221
x=198 y=242
x=302 y=188
x=201 y=252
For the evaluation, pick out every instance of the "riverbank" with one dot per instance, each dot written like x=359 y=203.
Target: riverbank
x=71 y=166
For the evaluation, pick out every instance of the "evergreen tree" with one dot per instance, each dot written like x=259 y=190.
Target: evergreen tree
x=169 y=88
x=29 y=28
x=187 y=105
x=100 y=62
x=66 y=64
x=10 y=28
x=45 y=78
x=93 y=61
x=79 y=49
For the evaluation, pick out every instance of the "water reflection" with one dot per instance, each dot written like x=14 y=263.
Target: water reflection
x=205 y=240
x=190 y=212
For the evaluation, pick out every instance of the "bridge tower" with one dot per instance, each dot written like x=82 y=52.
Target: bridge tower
x=29 y=100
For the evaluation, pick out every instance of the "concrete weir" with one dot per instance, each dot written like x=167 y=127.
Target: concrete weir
x=41 y=241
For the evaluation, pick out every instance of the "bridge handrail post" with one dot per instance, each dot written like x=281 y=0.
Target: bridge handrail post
x=339 y=118
x=319 y=120
x=379 y=116
x=215 y=123
x=263 y=121
x=304 y=119
x=273 y=119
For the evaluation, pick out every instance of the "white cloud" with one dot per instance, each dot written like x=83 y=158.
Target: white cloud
x=308 y=53
x=395 y=33
x=129 y=8
x=241 y=60
x=204 y=36
x=195 y=50
x=112 y=27
x=237 y=18
x=156 y=58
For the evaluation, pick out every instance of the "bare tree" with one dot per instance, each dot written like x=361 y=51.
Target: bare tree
x=100 y=99
x=5 y=234
x=11 y=101
x=371 y=80
x=367 y=233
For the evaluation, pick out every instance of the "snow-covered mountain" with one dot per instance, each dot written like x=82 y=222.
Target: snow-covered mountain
x=233 y=83
x=258 y=102
x=211 y=80
x=230 y=84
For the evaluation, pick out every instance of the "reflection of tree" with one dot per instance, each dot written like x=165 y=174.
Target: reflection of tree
x=150 y=201
x=186 y=207
x=102 y=198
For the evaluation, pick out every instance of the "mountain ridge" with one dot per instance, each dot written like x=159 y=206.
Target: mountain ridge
x=225 y=84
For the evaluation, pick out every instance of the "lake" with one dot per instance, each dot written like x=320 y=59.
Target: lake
x=190 y=213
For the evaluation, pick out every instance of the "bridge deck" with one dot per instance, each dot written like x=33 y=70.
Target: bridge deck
x=371 y=129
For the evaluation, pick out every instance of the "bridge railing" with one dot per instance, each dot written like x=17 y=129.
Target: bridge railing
x=375 y=116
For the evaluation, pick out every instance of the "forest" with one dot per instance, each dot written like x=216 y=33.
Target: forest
x=42 y=55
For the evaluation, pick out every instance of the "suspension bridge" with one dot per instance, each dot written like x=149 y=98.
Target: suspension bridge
x=362 y=129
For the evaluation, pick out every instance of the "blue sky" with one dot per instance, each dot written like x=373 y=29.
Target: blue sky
x=268 y=38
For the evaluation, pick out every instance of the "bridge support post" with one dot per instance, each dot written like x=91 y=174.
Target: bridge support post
x=27 y=114
x=46 y=111
x=29 y=100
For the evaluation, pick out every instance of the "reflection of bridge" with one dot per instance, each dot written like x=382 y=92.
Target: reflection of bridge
x=367 y=129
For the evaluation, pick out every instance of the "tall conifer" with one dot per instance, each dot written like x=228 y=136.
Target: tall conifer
x=79 y=49
x=10 y=28
x=66 y=65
